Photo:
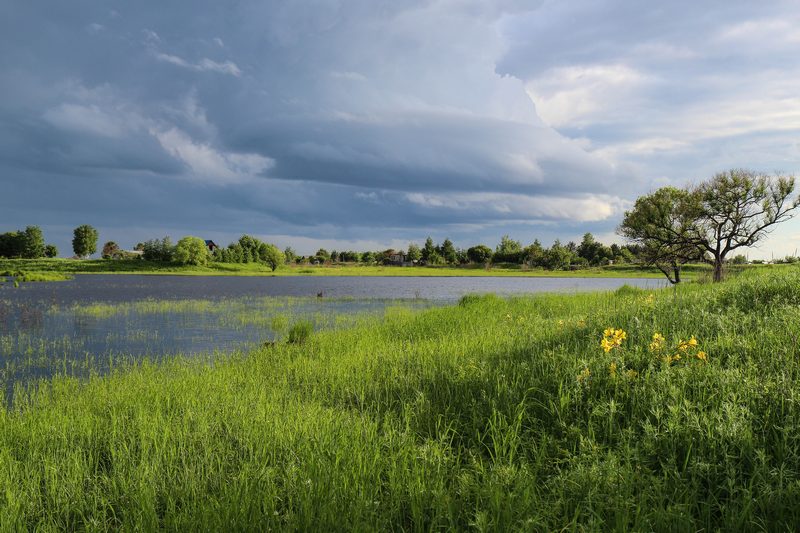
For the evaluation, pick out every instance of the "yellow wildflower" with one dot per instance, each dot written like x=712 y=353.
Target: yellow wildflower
x=612 y=369
x=702 y=356
x=612 y=338
x=584 y=375
x=657 y=343
x=632 y=374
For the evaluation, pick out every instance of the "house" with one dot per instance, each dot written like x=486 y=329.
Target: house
x=211 y=245
x=392 y=257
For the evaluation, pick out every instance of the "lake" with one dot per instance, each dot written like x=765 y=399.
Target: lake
x=94 y=322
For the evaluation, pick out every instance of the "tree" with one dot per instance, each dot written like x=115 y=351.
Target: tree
x=660 y=223
x=12 y=244
x=33 y=243
x=191 y=251
x=50 y=251
x=414 y=253
x=736 y=209
x=160 y=250
x=84 y=241
x=289 y=254
x=508 y=251
x=448 y=252
x=535 y=254
x=272 y=256
x=558 y=257
x=111 y=250
x=429 y=250
x=480 y=254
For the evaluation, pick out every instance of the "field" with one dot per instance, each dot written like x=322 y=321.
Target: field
x=100 y=266
x=675 y=410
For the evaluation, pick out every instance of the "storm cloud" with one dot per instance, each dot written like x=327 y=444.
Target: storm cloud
x=372 y=123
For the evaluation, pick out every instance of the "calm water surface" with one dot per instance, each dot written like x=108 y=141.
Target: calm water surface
x=94 y=322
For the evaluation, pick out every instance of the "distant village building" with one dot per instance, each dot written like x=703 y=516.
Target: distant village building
x=211 y=245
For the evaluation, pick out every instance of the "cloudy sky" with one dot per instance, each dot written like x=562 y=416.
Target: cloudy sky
x=371 y=123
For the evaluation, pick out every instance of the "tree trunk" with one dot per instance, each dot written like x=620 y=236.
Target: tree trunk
x=717 y=269
x=677 y=270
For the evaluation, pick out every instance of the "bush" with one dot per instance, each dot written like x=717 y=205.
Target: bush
x=191 y=251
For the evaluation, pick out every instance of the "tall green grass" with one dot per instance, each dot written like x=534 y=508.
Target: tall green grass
x=493 y=414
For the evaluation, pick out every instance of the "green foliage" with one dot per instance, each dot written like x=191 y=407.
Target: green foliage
x=271 y=255
x=480 y=254
x=50 y=251
x=508 y=251
x=414 y=253
x=448 y=252
x=84 y=240
x=12 y=244
x=191 y=251
x=300 y=332
x=34 y=246
x=111 y=250
x=158 y=250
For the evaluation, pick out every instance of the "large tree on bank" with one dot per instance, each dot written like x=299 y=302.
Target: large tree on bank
x=737 y=209
x=734 y=209
x=659 y=224
x=84 y=241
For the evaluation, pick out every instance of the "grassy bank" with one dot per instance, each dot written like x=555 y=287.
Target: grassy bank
x=99 y=266
x=490 y=415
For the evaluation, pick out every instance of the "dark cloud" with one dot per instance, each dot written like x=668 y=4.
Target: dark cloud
x=365 y=121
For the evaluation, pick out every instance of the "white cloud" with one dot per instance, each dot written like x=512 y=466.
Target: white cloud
x=209 y=164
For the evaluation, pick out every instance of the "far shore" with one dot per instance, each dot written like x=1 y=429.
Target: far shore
x=102 y=266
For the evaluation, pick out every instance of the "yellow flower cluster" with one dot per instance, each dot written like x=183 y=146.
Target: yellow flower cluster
x=686 y=350
x=657 y=344
x=612 y=338
x=584 y=375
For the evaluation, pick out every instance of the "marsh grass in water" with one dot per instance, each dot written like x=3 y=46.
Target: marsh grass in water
x=494 y=414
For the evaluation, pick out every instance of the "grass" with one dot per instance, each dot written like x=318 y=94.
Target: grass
x=493 y=414
x=100 y=266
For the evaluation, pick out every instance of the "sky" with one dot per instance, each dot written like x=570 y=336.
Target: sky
x=369 y=124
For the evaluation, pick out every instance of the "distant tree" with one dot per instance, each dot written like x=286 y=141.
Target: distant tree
x=33 y=243
x=50 y=251
x=535 y=254
x=139 y=247
x=271 y=255
x=414 y=253
x=558 y=257
x=289 y=255
x=322 y=255
x=461 y=256
x=191 y=251
x=12 y=244
x=448 y=252
x=368 y=257
x=740 y=259
x=111 y=250
x=480 y=254
x=429 y=250
x=84 y=241
x=159 y=250
x=508 y=251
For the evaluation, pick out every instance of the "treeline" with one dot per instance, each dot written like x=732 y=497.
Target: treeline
x=26 y=244
x=195 y=251
x=589 y=252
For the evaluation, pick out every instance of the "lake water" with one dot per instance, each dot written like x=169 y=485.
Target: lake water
x=93 y=322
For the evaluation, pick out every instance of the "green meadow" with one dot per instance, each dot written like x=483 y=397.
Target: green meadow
x=671 y=410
